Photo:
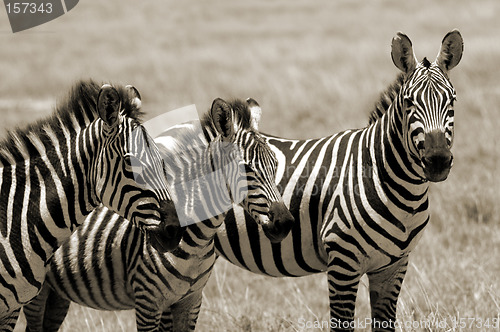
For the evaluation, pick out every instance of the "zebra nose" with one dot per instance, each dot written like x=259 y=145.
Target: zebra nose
x=437 y=166
x=437 y=158
x=281 y=222
x=438 y=161
x=168 y=234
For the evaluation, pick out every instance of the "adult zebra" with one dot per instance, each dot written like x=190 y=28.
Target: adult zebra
x=57 y=170
x=106 y=265
x=360 y=197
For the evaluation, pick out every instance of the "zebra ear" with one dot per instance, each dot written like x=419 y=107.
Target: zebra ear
x=402 y=53
x=451 y=51
x=255 y=112
x=108 y=104
x=134 y=96
x=222 y=116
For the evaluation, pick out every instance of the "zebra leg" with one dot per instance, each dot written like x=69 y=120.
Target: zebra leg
x=185 y=312
x=34 y=310
x=55 y=312
x=343 y=280
x=167 y=319
x=385 y=286
x=8 y=323
x=342 y=289
x=147 y=312
x=166 y=324
x=46 y=312
x=193 y=314
x=148 y=317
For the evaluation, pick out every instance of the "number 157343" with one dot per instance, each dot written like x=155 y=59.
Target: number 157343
x=29 y=8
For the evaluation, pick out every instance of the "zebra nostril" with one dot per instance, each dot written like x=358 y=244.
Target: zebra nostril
x=171 y=231
x=437 y=162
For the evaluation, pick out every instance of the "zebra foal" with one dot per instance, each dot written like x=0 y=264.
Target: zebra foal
x=107 y=264
x=57 y=170
x=360 y=197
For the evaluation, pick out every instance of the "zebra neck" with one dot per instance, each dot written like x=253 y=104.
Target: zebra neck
x=198 y=238
x=201 y=194
x=398 y=172
x=196 y=174
x=52 y=187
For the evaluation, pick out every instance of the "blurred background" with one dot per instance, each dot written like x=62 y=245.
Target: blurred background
x=315 y=67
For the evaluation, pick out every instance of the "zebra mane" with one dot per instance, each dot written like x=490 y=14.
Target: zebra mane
x=81 y=103
x=183 y=144
x=386 y=98
x=426 y=63
x=242 y=118
x=76 y=111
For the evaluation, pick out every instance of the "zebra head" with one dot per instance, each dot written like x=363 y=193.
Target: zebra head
x=237 y=126
x=129 y=174
x=426 y=99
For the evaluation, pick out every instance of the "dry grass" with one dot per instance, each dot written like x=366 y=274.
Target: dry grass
x=316 y=68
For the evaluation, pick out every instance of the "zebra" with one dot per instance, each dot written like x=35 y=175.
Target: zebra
x=107 y=265
x=360 y=197
x=58 y=169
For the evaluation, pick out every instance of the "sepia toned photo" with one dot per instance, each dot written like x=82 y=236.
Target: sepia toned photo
x=249 y=166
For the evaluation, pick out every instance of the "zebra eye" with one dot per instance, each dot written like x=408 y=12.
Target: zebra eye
x=409 y=106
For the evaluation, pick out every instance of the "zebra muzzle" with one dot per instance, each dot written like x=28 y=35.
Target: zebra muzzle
x=167 y=236
x=437 y=159
x=280 y=223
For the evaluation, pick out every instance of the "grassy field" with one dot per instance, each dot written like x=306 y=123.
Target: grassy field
x=316 y=68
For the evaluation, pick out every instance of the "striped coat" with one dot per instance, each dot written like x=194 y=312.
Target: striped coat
x=360 y=197
x=108 y=264
x=55 y=171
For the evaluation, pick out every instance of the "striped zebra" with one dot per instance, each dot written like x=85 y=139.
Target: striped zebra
x=360 y=197
x=106 y=264
x=57 y=170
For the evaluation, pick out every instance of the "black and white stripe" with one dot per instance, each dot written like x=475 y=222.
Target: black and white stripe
x=360 y=197
x=107 y=263
x=57 y=170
